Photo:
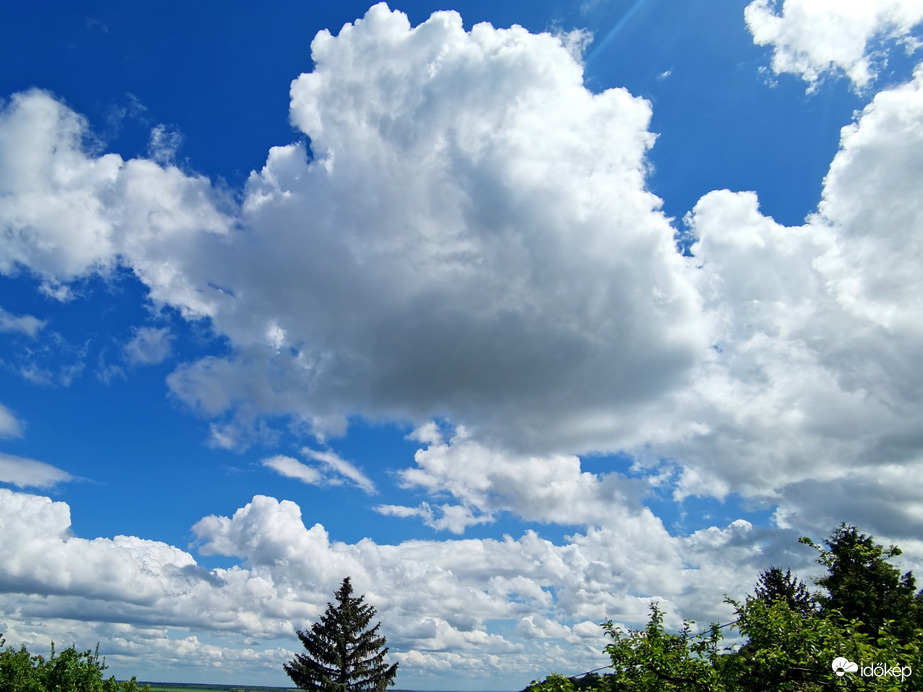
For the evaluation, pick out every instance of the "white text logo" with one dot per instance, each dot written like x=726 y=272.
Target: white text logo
x=842 y=665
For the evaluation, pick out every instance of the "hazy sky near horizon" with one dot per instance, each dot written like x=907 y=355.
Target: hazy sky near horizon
x=520 y=314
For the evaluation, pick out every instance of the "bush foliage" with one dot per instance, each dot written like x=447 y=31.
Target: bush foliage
x=68 y=671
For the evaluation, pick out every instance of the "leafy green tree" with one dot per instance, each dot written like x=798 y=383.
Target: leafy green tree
x=553 y=683
x=785 y=649
x=587 y=682
x=789 y=651
x=343 y=654
x=69 y=671
x=862 y=585
x=18 y=670
x=654 y=660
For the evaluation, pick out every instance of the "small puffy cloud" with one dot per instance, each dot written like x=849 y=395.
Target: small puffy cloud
x=265 y=532
x=140 y=581
x=292 y=468
x=50 y=188
x=10 y=425
x=21 y=324
x=29 y=473
x=149 y=346
x=537 y=627
x=445 y=517
x=486 y=481
x=813 y=37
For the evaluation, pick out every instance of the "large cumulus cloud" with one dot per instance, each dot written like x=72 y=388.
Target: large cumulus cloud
x=813 y=382
x=470 y=236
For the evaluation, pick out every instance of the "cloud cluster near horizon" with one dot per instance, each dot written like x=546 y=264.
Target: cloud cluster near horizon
x=438 y=597
x=469 y=237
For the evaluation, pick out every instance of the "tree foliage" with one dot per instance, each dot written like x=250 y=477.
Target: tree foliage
x=69 y=671
x=773 y=586
x=342 y=653
x=653 y=659
x=862 y=585
x=869 y=615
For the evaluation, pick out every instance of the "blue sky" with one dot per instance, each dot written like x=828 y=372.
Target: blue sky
x=521 y=315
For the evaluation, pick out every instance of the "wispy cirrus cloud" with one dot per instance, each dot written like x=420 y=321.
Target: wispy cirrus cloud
x=149 y=346
x=340 y=469
x=292 y=468
x=331 y=470
x=10 y=425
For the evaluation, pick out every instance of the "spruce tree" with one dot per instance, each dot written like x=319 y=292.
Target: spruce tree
x=343 y=654
x=774 y=586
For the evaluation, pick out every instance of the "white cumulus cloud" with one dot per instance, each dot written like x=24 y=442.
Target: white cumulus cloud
x=487 y=481
x=66 y=212
x=469 y=235
x=813 y=37
x=813 y=383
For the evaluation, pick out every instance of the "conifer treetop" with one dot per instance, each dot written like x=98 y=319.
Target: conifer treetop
x=342 y=653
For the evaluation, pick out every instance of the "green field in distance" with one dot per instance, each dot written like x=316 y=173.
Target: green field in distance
x=194 y=687
x=191 y=687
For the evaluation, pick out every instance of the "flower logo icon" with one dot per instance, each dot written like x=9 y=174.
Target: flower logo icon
x=842 y=666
